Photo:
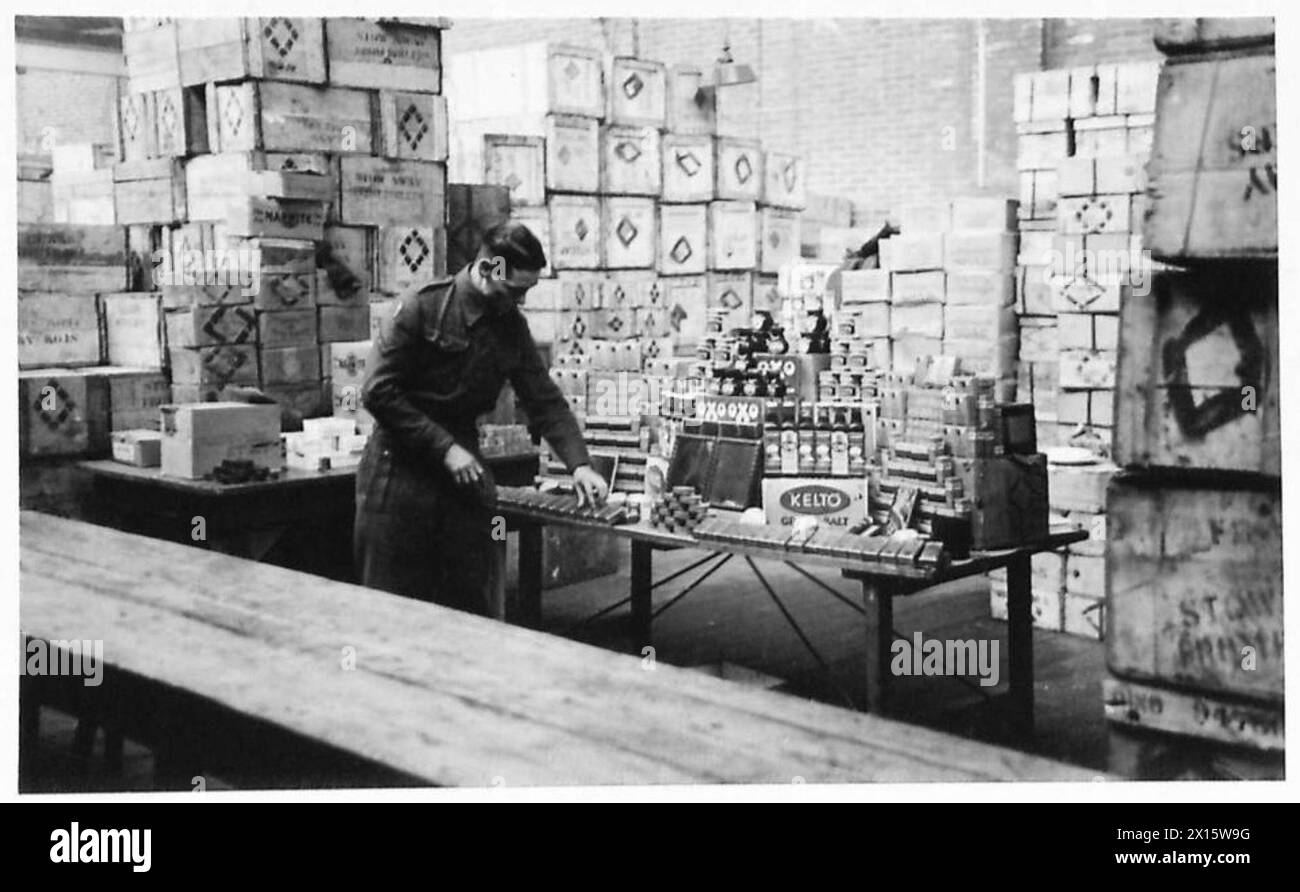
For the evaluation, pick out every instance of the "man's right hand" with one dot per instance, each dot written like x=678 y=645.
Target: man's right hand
x=463 y=466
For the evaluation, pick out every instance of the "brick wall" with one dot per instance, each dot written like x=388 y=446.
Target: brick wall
x=884 y=110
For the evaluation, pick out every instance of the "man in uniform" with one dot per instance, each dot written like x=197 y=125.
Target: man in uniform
x=424 y=497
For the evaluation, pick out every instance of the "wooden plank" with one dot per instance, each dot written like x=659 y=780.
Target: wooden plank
x=1132 y=705
x=240 y=634
x=383 y=54
x=1194 y=579
x=1199 y=374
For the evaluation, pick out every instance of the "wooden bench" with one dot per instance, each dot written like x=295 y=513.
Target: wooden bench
x=222 y=662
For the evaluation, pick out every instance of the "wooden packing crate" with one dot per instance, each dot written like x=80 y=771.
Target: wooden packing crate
x=284 y=117
x=783 y=181
x=135 y=396
x=572 y=154
x=738 y=169
x=918 y=288
x=733 y=235
x=36 y=201
x=382 y=54
x=683 y=239
x=576 y=241
x=181 y=122
x=58 y=329
x=628 y=235
x=689 y=111
x=413 y=126
x=1038 y=195
x=150 y=191
x=384 y=192
x=737 y=111
x=1216 y=196
x=152 y=61
x=289 y=365
x=253 y=217
x=519 y=164
x=284 y=291
x=581 y=291
x=208 y=326
x=220 y=366
x=1176 y=36
x=73 y=259
x=734 y=293
x=133 y=329
x=778 y=238
x=631 y=160
x=306 y=399
x=344 y=323
x=409 y=257
x=688 y=175
x=472 y=209
x=986 y=249
x=637 y=93
x=1188 y=714
x=345 y=362
x=272 y=48
x=914 y=253
x=213 y=182
x=526 y=82
x=85 y=198
x=685 y=298
x=1199 y=372
x=916 y=319
x=979 y=288
x=287 y=328
x=1194 y=579
x=62 y=412
x=137 y=127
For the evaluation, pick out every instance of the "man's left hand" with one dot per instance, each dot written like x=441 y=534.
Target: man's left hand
x=592 y=488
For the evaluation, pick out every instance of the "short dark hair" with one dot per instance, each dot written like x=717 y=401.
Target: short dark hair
x=515 y=243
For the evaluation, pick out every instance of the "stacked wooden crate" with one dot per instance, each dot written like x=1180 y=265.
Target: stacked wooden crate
x=294 y=169
x=35 y=189
x=1085 y=134
x=655 y=208
x=89 y=357
x=1194 y=555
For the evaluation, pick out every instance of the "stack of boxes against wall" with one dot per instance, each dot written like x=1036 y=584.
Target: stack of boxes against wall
x=243 y=144
x=1194 y=558
x=654 y=209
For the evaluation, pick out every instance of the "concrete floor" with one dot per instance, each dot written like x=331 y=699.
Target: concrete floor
x=731 y=620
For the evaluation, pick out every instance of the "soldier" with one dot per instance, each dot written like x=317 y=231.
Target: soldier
x=424 y=497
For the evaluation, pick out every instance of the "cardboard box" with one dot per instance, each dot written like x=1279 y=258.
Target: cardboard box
x=197 y=437
x=836 y=503
x=631 y=161
x=783 y=181
x=140 y=448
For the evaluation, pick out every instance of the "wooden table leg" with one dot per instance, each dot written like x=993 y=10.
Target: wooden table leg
x=497 y=585
x=642 y=585
x=878 y=602
x=530 y=575
x=1020 y=643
